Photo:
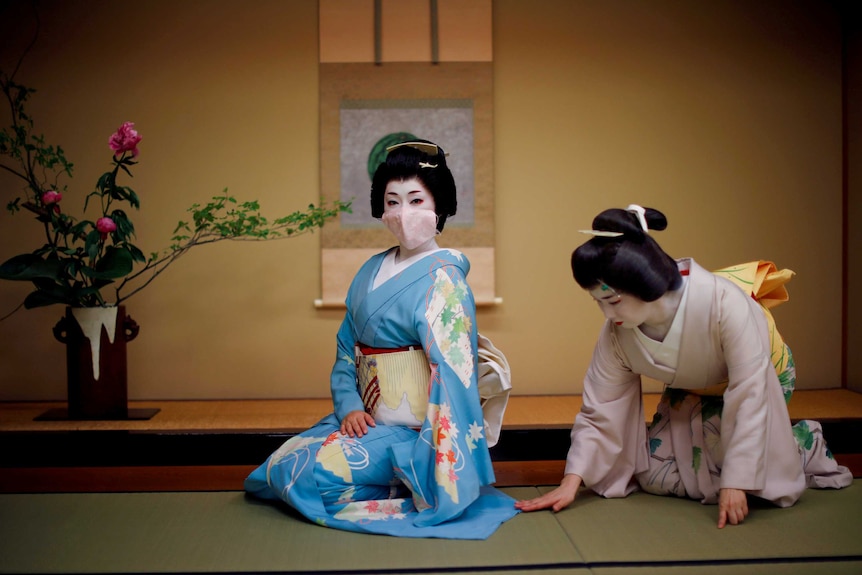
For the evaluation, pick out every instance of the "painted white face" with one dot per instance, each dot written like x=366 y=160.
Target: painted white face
x=410 y=192
x=625 y=310
x=408 y=212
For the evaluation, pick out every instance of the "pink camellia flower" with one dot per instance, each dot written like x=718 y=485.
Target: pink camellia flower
x=51 y=197
x=105 y=226
x=125 y=139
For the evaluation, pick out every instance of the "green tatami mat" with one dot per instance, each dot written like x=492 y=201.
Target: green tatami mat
x=226 y=531
x=198 y=532
x=642 y=528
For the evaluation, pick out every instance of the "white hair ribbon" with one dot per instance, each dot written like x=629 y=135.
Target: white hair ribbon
x=641 y=214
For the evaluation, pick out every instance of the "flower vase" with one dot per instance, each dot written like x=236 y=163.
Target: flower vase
x=96 y=373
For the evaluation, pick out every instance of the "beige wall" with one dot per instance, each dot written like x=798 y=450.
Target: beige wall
x=719 y=113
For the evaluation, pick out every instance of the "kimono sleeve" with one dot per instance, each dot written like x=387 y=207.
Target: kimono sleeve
x=342 y=380
x=744 y=422
x=609 y=444
x=450 y=461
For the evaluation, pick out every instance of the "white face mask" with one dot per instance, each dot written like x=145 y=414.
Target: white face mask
x=412 y=226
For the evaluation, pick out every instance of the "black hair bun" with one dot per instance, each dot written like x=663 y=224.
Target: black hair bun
x=628 y=223
x=655 y=219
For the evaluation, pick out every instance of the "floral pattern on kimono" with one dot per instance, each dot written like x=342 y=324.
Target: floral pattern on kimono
x=697 y=444
x=428 y=482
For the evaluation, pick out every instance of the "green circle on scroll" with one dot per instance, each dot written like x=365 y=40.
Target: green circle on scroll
x=378 y=151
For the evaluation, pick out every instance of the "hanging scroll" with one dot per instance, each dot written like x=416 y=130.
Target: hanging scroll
x=365 y=106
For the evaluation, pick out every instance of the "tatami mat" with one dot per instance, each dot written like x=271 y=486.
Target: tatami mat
x=645 y=528
x=228 y=532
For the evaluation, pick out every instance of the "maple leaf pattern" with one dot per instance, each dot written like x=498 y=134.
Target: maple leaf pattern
x=460 y=326
x=447 y=458
x=474 y=435
x=451 y=325
x=375 y=510
x=446 y=316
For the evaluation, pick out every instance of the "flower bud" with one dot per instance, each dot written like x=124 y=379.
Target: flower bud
x=105 y=226
x=51 y=197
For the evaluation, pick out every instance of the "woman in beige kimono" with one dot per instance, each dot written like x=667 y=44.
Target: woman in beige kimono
x=722 y=429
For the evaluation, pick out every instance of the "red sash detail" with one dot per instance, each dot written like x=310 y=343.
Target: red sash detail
x=365 y=350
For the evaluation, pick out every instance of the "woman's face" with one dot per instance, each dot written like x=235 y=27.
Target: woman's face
x=410 y=192
x=625 y=310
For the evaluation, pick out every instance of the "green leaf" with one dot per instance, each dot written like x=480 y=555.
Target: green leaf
x=41 y=298
x=52 y=291
x=106 y=182
x=125 y=228
x=27 y=267
x=137 y=254
x=116 y=263
x=803 y=434
x=50 y=285
x=91 y=245
x=79 y=228
x=13 y=206
x=133 y=198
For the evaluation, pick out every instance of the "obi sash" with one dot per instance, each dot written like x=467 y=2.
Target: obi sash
x=394 y=384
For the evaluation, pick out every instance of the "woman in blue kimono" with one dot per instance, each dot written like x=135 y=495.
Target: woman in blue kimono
x=406 y=451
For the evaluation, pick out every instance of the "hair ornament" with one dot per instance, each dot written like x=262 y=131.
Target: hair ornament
x=640 y=212
x=426 y=147
x=615 y=296
x=601 y=234
x=427 y=165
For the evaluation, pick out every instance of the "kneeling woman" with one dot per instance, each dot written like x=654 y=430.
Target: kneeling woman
x=722 y=429
x=406 y=451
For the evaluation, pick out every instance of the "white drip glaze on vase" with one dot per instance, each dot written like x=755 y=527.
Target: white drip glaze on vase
x=91 y=320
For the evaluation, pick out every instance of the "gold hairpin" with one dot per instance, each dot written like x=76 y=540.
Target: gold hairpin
x=426 y=147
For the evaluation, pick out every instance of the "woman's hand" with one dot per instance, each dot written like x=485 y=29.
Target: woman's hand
x=355 y=423
x=558 y=499
x=732 y=507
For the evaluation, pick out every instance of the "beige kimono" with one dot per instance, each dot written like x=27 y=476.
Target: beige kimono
x=724 y=340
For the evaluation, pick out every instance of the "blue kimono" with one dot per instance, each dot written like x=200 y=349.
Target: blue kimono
x=433 y=481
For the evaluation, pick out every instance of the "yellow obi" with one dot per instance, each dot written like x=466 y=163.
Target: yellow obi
x=764 y=282
x=394 y=384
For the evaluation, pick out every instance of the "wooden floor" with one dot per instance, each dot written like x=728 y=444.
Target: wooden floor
x=294 y=415
x=266 y=417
